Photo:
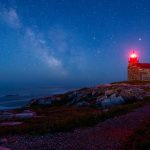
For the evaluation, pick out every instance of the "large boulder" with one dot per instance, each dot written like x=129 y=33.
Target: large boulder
x=132 y=94
x=108 y=102
x=39 y=101
x=100 y=99
x=109 y=92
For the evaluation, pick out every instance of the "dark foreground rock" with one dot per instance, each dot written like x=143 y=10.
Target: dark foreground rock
x=107 y=135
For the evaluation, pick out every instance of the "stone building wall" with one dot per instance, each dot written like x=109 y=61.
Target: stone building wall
x=145 y=74
x=133 y=73
x=137 y=73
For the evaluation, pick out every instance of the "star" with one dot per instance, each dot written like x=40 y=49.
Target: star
x=94 y=38
x=140 y=39
x=99 y=51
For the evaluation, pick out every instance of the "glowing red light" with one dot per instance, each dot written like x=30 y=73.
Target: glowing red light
x=133 y=58
x=133 y=55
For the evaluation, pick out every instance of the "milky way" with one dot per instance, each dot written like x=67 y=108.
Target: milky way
x=71 y=42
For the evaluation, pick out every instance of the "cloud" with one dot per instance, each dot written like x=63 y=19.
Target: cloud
x=11 y=17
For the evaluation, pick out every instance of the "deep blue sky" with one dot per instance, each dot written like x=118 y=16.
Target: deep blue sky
x=71 y=42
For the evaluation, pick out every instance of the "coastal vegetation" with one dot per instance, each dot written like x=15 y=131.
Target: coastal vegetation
x=63 y=118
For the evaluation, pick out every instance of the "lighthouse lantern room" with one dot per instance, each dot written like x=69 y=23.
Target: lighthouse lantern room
x=136 y=70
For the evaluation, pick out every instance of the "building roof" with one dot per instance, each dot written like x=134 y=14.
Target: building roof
x=143 y=65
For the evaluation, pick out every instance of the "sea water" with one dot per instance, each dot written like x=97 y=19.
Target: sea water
x=15 y=98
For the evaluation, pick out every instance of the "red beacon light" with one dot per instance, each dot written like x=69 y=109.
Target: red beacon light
x=133 y=55
x=133 y=58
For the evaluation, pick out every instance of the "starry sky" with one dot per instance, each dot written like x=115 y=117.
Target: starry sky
x=71 y=42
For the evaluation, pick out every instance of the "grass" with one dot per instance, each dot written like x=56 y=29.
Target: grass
x=140 y=140
x=62 y=118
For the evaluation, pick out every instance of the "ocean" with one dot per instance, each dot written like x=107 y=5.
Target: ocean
x=15 y=98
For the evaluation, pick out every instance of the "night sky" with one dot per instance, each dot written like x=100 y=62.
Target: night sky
x=71 y=42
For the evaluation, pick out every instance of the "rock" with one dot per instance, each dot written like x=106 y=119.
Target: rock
x=109 y=92
x=113 y=95
x=10 y=123
x=41 y=101
x=104 y=85
x=75 y=101
x=33 y=102
x=100 y=99
x=127 y=95
x=112 y=101
x=71 y=95
x=25 y=115
x=95 y=95
x=133 y=94
x=94 y=92
x=82 y=104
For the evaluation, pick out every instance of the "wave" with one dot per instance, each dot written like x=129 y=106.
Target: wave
x=11 y=95
x=20 y=98
x=15 y=95
x=14 y=101
x=8 y=108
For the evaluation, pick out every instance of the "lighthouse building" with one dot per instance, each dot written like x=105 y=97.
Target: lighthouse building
x=137 y=70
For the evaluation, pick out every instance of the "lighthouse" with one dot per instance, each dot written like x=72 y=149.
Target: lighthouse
x=136 y=70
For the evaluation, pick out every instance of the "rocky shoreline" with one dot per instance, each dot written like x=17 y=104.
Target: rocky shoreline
x=101 y=96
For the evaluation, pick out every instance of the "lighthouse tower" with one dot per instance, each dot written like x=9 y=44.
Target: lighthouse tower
x=133 y=58
x=136 y=70
x=132 y=67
